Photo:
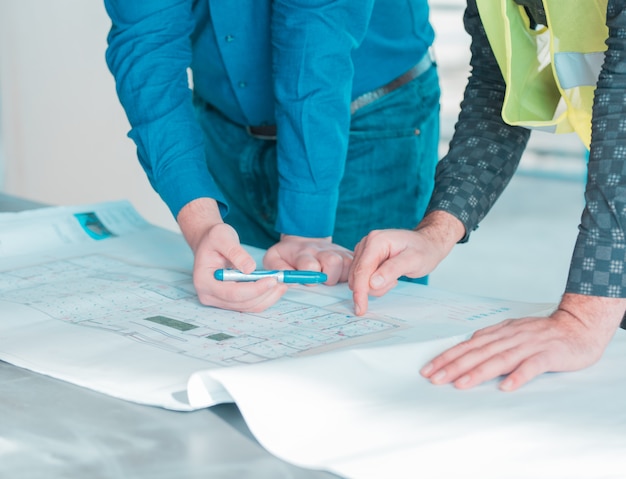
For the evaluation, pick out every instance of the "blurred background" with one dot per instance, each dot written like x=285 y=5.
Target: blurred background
x=63 y=141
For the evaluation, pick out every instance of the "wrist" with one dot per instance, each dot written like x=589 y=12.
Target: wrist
x=286 y=237
x=441 y=228
x=196 y=218
x=594 y=312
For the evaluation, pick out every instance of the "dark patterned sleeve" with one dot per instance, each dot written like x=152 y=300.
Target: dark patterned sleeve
x=599 y=260
x=484 y=151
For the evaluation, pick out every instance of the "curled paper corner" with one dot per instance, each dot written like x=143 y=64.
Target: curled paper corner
x=204 y=391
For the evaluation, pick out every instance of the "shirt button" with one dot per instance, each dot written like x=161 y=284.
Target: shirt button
x=229 y=38
x=243 y=84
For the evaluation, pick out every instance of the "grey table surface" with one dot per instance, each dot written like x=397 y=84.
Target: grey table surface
x=52 y=429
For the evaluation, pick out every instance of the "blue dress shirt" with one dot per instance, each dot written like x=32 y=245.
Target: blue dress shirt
x=293 y=63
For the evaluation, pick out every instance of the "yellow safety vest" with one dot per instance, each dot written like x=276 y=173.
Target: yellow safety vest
x=551 y=73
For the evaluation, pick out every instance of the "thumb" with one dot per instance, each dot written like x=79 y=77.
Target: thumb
x=241 y=259
x=230 y=248
x=388 y=273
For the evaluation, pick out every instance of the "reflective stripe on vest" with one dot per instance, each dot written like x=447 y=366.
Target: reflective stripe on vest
x=551 y=73
x=578 y=69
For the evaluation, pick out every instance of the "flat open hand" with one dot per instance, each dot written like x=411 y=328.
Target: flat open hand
x=572 y=338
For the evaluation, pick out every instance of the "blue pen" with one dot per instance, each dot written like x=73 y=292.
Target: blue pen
x=300 y=277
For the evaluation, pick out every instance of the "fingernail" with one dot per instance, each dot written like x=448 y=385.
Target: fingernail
x=357 y=309
x=506 y=385
x=426 y=369
x=463 y=380
x=438 y=376
x=377 y=281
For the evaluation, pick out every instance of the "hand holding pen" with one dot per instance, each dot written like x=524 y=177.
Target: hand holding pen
x=216 y=245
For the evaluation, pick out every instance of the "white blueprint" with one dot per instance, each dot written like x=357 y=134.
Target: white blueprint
x=95 y=295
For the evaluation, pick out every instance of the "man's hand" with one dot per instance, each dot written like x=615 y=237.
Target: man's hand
x=216 y=245
x=310 y=254
x=385 y=255
x=572 y=338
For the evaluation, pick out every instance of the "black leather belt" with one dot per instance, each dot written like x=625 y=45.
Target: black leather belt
x=268 y=132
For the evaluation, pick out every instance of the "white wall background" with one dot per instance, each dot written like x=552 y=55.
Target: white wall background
x=63 y=130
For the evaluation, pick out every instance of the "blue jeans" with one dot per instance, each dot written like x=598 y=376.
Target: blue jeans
x=389 y=171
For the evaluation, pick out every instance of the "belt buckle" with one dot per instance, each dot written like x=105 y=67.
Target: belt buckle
x=431 y=55
x=265 y=132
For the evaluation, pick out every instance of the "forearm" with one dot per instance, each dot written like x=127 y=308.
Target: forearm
x=313 y=42
x=484 y=151
x=597 y=266
x=149 y=51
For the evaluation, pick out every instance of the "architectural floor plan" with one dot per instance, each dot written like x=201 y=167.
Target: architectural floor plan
x=159 y=307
